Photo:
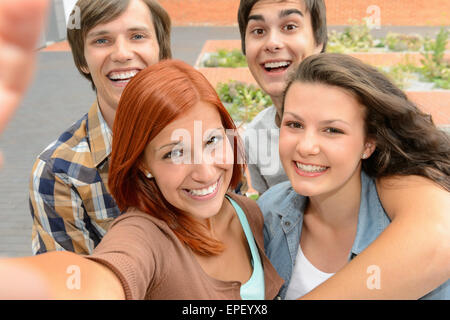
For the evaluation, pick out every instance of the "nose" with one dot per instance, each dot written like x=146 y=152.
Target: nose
x=122 y=51
x=204 y=172
x=274 y=42
x=308 y=144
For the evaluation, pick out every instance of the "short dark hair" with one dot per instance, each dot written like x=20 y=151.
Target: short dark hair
x=316 y=8
x=407 y=141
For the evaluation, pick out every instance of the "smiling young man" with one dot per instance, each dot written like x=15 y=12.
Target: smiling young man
x=69 y=199
x=276 y=36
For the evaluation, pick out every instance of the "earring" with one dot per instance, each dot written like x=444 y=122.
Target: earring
x=148 y=174
x=364 y=156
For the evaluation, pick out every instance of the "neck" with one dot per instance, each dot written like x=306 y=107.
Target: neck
x=108 y=113
x=338 y=209
x=218 y=223
x=277 y=102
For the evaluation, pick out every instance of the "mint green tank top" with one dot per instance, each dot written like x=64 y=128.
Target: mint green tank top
x=254 y=288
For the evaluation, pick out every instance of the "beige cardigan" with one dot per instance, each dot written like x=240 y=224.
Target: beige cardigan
x=152 y=263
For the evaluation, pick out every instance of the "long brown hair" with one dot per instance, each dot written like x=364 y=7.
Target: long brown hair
x=155 y=97
x=407 y=141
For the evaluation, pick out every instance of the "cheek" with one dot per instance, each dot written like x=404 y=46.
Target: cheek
x=346 y=152
x=94 y=60
x=168 y=179
x=151 y=53
x=287 y=144
x=250 y=52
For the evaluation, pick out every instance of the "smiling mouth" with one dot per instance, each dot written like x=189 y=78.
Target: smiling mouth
x=122 y=77
x=276 y=66
x=309 y=168
x=204 y=193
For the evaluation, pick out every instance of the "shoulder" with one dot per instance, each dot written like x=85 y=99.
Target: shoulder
x=276 y=196
x=264 y=120
x=141 y=231
x=140 y=222
x=68 y=142
x=249 y=206
x=69 y=156
x=400 y=194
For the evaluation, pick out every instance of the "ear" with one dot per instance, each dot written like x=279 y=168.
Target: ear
x=369 y=148
x=143 y=168
x=318 y=49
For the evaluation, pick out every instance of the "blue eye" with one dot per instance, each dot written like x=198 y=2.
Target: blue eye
x=138 y=36
x=176 y=153
x=101 y=41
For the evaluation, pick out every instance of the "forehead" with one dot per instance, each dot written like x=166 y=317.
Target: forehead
x=324 y=100
x=136 y=15
x=272 y=6
x=196 y=120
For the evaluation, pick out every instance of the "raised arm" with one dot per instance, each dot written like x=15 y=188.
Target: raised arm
x=411 y=257
x=57 y=275
x=21 y=22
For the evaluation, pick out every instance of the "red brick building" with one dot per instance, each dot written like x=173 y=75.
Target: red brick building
x=387 y=12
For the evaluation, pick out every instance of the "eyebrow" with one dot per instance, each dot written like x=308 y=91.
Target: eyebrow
x=169 y=145
x=287 y=12
x=105 y=32
x=213 y=131
x=283 y=13
x=321 y=122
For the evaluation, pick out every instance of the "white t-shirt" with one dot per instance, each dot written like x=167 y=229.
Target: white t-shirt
x=261 y=138
x=305 y=277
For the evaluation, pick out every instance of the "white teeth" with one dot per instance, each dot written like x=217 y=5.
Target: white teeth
x=278 y=64
x=310 y=168
x=122 y=75
x=204 y=192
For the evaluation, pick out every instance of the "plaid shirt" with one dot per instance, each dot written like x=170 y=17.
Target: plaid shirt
x=70 y=202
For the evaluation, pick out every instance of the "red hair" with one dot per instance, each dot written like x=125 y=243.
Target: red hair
x=154 y=98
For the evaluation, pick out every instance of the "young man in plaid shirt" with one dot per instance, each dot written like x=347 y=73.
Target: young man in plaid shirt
x=70 y=203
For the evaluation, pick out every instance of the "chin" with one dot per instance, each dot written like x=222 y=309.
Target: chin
x=307 y=189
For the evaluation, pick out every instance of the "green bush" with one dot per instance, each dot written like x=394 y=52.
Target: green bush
x=434 y=67
x=403 y=42
x=401 y=74
x=355 y=38
x=243 y=101
x=226 y=59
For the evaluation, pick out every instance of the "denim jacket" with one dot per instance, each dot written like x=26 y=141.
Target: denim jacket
x=283 y=218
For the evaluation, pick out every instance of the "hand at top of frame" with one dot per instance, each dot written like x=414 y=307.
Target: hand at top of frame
x=21 y=22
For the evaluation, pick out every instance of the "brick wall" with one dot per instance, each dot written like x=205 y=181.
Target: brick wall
x=392 y=12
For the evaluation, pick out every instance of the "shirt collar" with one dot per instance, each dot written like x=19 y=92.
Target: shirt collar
x=372 y=219
x=99 y=135
x=291 y=209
